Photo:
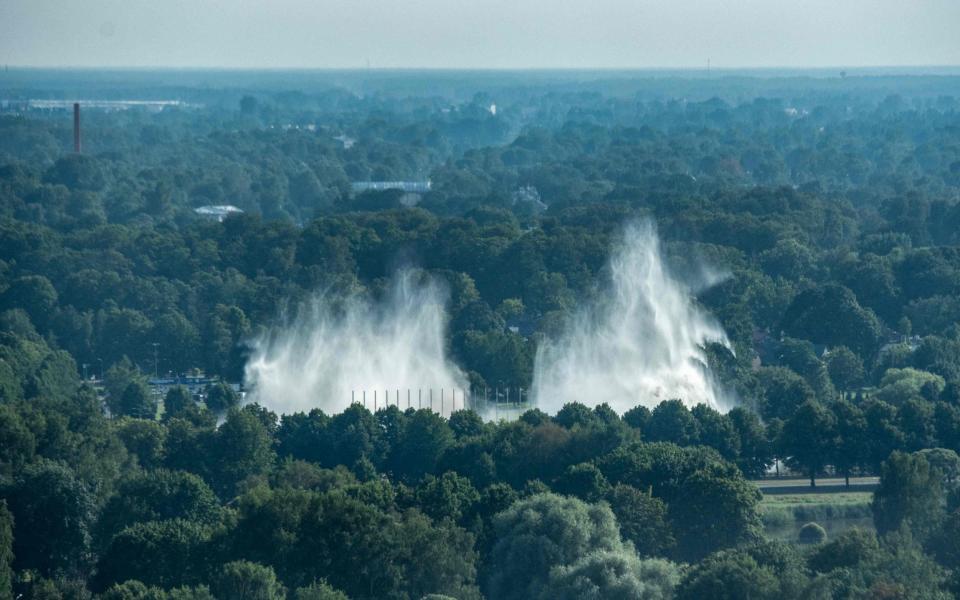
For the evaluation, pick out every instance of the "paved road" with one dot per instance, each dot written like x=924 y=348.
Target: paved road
x=825 y=485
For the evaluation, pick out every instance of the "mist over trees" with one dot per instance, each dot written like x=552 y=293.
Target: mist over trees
x=816 y=218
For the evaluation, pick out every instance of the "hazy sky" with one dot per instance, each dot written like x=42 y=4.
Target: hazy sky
x=476 y=34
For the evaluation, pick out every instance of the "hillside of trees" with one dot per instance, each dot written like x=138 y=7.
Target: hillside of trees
x=827 y=208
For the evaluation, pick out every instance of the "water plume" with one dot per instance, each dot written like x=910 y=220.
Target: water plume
x=337 y=348
x=640 y=342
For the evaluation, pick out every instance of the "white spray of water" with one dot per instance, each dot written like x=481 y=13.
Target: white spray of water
x=329 y=357
x=641 y=342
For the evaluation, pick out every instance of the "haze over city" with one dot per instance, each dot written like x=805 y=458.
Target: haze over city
x=469 y=34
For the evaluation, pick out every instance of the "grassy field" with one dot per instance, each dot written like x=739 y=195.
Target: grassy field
x=784 y=514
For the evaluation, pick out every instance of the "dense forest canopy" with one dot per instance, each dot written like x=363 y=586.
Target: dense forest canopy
x=814 y=215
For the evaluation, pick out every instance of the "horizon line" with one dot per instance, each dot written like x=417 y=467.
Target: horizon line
x=702 y=68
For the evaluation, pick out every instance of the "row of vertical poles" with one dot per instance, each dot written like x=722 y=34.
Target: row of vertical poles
x=512 y=397
x=377 y=400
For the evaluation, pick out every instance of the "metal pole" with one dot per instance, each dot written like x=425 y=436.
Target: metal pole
x=364 y=398
x=441 y=401
x=431 y=398
x=374 y=400
x=419 y=398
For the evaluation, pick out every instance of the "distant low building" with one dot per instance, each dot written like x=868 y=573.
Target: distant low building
x=346 y=140
x=528 y=196
x=411 y=187
x=194 y=384
x=217 y=212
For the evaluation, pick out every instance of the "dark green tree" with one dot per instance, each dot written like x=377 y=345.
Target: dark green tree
x=730 y=575
x=643 y=520
x=671 y=421
x=53 y=514
x=177 y=400
x=220 y=397
x=161 y=553
x=852 y=445
x=714 y=511
x=6 y=552
x=845 y=368
x=136 y=401
x=241 y=448
x=809 y=438
x=158 y=495
x=911 y=493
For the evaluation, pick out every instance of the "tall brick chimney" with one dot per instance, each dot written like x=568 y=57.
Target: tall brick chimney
x=76 y=127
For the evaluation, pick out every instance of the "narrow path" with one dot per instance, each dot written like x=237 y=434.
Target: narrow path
x=826 y=485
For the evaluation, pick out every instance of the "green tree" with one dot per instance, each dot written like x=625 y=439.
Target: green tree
x=845 y=368
x=245 y=580
x=945 y=542
x=671 y=421
x=911 y=493
x=320 y=590
x=466 y=423
x=157 y=495
x=637 y=417
x=161 y=553
x=220 y=397
x=852 y=445
x=435 y=559
x=423 y=439
x=143 y=439
x=845 y=551
x=883 y=431
x=714 y=510
x=756 y=452
x=916 y=422
x=730 y=575
x=830 y=314
x=717 y=431
x=241 y=448
x=116 y=380
x=810 y=437
x=642 y=519
x=133 y=590
x=17 y=443
x=583 y=480
x=177 y=400
x=449 y=496
x=136 y=401
x=34 y=294
x=812 y=533
x=53 y=513
x=616 y=575
x=541 y=533
x=783 y=392
x=6 y=552
x=899 y=385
